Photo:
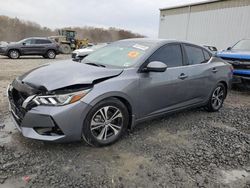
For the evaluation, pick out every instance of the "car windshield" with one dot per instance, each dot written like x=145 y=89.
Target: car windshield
x=120 y=54
x=242 y=45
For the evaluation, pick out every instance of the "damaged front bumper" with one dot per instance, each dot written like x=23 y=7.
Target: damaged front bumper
x=50 y=123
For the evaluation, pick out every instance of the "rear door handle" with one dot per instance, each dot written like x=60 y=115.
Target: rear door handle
x=214 y=70
x=183 y=76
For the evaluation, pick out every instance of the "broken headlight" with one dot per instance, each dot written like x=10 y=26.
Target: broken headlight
x=60 y=99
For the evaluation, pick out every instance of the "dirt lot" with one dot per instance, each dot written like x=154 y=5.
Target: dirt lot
x=187 y=149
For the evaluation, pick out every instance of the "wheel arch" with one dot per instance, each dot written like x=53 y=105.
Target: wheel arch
x=14 y=49
x=50 y=49
x=124 y=99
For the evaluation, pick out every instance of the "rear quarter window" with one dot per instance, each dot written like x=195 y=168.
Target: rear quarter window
x=206 y=55
x=194 y=55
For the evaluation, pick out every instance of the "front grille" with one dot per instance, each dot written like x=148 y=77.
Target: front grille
x=238 y=63
x=241 y=66
x=73 y=55
x=16 y=99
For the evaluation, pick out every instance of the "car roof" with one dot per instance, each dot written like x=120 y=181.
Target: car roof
x=42 y=38
x=150 y=40
x=158 y=41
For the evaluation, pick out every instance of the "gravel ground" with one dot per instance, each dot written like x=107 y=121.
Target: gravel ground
x=188 y=149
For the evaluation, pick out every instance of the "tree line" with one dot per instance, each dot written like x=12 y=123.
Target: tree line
x=14 y=29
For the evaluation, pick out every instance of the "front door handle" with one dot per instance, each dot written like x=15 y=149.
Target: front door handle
x=183 y=76
x=214 y=70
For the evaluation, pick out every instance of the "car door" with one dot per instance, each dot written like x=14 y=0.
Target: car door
x=199 y=73
x=164 y=91
x=27 y=47
x=41 y=46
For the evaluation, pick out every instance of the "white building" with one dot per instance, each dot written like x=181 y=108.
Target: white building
x=220 y=23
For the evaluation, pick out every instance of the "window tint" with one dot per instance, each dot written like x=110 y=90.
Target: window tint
x=40 y=41
x=206 y=55
x=29 y=41
x=48 y=41
x=171 y=55
x=194 y=55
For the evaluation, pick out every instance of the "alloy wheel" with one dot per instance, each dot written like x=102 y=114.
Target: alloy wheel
x=14 y=54
x=51 y=55
x=106 y=123
x=218 y=97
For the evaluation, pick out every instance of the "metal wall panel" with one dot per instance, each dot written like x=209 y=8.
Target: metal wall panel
x=221 y=23
x=173 y=23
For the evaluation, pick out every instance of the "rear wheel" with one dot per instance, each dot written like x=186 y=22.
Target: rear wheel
x=217 y=98
x=105 y=123
x=14 y=54
x=50 y=54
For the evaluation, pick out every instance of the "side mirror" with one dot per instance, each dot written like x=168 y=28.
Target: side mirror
x=24 y=43
x=229 y=48
x=155 y=66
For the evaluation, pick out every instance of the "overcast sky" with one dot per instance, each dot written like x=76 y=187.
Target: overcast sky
x=140 y=16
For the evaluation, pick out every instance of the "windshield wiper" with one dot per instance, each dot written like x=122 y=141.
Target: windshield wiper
x=95 y=64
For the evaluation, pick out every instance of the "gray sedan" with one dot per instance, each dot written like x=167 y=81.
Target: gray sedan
x=116 y=87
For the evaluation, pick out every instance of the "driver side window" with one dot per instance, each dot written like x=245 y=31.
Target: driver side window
x=170 y=54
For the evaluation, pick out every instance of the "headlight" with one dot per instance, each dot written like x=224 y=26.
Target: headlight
x=59 y=100
x=3 y=48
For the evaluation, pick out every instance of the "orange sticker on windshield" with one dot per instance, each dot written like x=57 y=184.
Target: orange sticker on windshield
x=133 y=54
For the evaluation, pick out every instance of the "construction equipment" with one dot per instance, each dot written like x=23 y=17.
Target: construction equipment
x=68 y=42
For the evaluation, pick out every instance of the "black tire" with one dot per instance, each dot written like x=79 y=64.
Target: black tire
x=14 y=54
x=217 y=98
x=65 y=49
x=51 y=54
x=95 y=130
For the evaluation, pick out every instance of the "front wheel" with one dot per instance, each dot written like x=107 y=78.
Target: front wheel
x=105 y=123
x=14 y=54
x=217 y=98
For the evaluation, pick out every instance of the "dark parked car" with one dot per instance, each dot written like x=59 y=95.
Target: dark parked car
x=114 y=88
x=239 y=57
x=31 y=46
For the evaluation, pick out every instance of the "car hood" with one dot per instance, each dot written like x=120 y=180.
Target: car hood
x=66 y=73
x=83 y=51
x=233 y=54
x=12 y=44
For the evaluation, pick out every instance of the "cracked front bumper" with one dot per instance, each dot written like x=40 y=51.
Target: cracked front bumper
x=66 y=121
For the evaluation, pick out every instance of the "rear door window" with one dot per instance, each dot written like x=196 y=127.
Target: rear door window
x=40 y=41
x=29 y=41
x=194 y=54
x=170 y=54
